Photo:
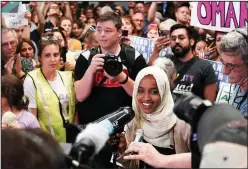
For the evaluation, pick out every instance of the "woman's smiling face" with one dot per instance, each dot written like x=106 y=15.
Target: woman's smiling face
x=148 y=98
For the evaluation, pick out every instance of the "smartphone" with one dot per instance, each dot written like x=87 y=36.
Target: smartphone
x=164 y=32
x=124 y=32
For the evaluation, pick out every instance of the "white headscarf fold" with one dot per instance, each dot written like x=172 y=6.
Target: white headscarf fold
x=158 y=124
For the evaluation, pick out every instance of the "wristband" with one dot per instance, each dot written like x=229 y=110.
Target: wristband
x=125 y=80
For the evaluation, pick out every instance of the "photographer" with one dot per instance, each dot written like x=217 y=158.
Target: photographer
x=99 y=92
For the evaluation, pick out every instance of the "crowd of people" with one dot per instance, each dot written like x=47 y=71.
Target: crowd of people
x=55 y=72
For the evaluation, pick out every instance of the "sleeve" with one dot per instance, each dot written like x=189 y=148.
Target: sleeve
x=81 y=67
x=209 y=75
x=138 y=65
x=30 y=91
x=35 y=123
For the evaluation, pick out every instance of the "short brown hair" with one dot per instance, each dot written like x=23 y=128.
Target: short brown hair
x=111 y=16
x=48 y=39
x=129 y=18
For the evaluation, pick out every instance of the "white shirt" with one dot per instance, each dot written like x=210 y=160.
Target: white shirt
x=57 y=86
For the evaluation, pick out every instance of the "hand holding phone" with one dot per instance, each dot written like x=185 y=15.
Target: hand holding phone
x=124 y=32
x=164 y=33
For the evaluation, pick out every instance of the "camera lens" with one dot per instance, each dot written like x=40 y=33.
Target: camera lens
x=111 y=65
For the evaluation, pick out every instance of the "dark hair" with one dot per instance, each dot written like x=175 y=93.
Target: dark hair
x=111 y=16
x=12 y=90
x=57 y=29
x=95 y=11
x=48 y=39
x=30 y=148
x=19 y=46
x=79 y=23
x=182 y=4
x=167 y=14
x=200 y=38
x=182 y=26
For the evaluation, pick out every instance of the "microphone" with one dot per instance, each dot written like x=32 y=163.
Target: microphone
x=116 y=120
x=93 y=138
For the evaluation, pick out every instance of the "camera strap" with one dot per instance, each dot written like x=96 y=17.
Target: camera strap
x=103 y=80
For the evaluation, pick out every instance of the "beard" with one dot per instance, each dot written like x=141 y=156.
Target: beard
x=180 y=53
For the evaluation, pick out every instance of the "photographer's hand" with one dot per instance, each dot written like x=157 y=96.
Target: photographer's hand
x=97 y=63
x=148 y=154
x=145 y=152
x=161 y=43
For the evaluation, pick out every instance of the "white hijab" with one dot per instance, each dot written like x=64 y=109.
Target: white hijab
x=158 y=124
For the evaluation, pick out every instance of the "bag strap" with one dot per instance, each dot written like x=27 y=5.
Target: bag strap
x=60 y=105
x=93 y=52
x=127 y=56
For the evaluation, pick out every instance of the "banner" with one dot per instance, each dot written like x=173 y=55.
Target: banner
x=220 y=16
x=13 y=13
x=145 y=47
x=13 y=20
x=10 y=7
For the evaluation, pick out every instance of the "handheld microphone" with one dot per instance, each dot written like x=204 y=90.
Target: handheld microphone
x=116 y=120
x=93 y=138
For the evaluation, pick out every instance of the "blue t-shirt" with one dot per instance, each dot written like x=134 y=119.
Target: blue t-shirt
x=239 y=100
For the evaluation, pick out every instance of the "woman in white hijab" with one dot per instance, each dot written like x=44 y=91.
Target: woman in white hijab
x=153 y=106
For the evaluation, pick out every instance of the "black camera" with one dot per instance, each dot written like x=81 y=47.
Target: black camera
x=111 y=65
x=205 y=118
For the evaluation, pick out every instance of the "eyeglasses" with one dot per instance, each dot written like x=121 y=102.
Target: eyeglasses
x=230 y=66
x=138 y=20
x=11 y=43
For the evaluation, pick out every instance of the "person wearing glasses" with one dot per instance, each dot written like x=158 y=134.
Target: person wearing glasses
x=51 y=92
x=233 y=55
x=139 y=22
x=194 y=75
x=11 y=61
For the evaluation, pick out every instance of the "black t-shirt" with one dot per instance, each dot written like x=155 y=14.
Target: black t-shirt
x=193 y=76
x=106 y=98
